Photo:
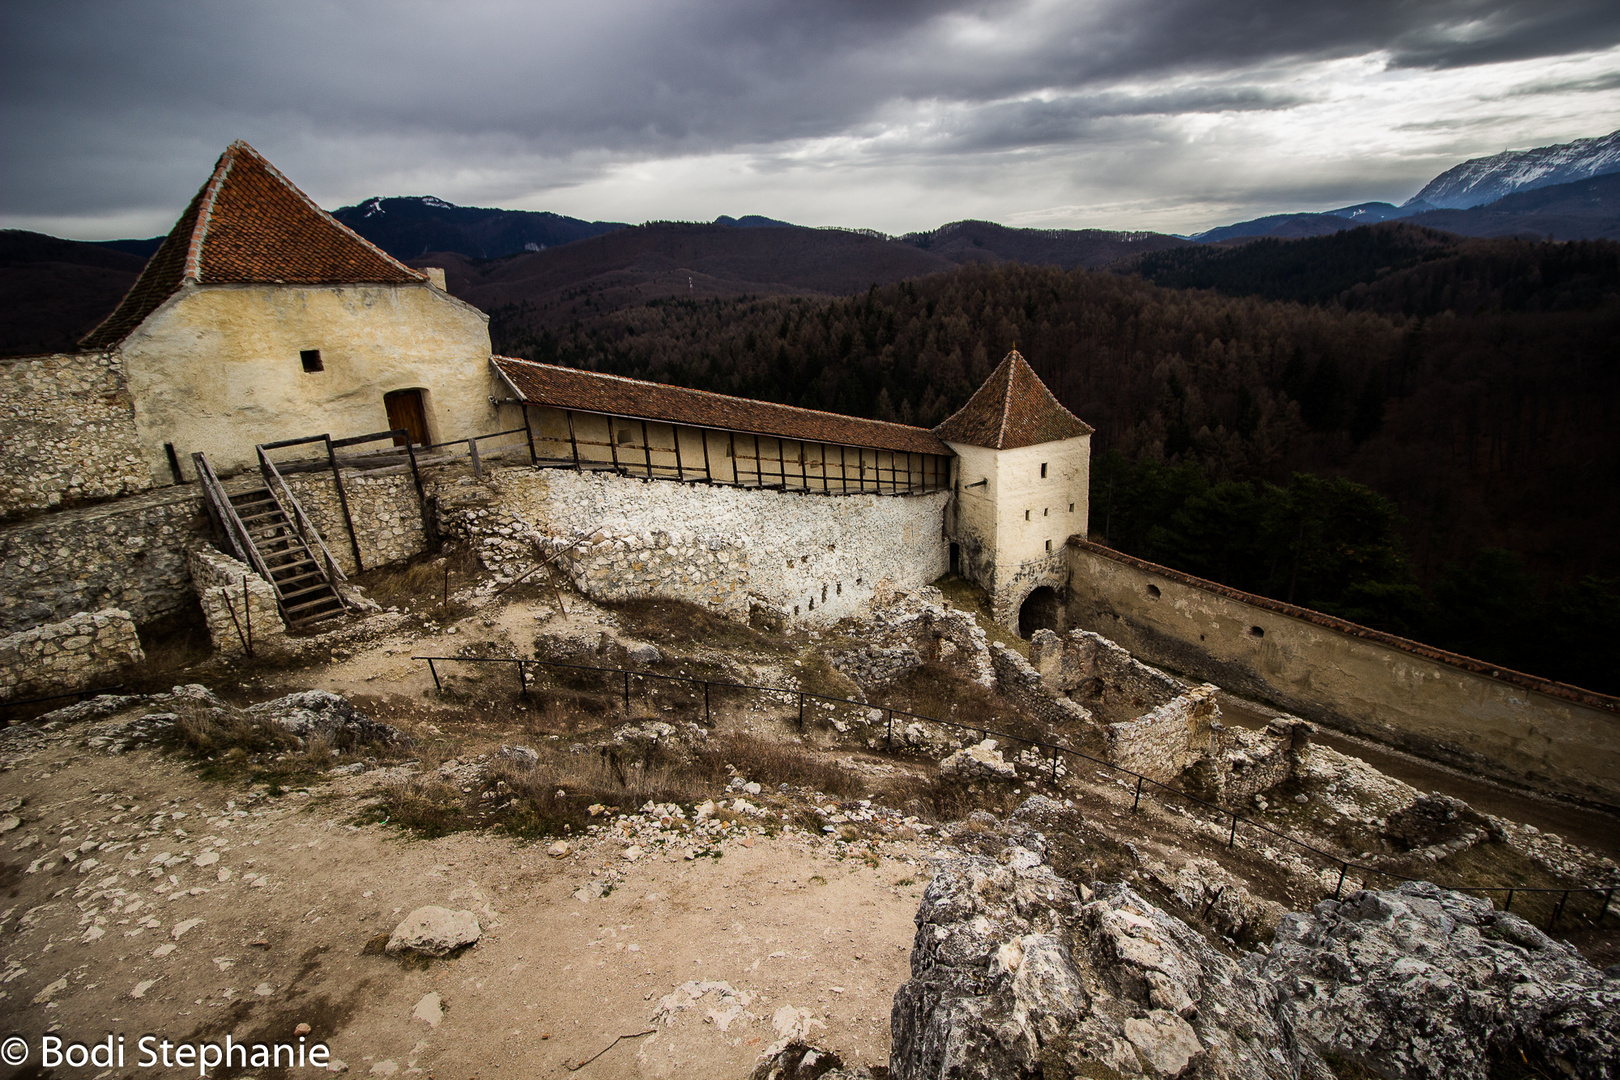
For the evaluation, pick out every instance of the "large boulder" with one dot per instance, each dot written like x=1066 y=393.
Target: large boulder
x=434 y=931
x=982 y=761
x=311 y=713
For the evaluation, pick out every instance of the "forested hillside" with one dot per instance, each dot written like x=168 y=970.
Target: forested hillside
x=1488 y=438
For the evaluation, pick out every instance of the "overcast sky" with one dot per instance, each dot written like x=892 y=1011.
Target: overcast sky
x=1172 y=116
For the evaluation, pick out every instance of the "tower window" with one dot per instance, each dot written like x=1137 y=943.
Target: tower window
x=1049 y=545
x=1026 y=515
x=1043 y=470
x=1071 y=508
x=311 y=359
x=1046 y=511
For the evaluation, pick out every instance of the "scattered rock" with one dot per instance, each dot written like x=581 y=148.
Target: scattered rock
x=52 y=990
x=434 y=931
x=430 y=1010
x=980 y=761
x=799 y=1061
x=561 y=849
x=9 y=822
x=142 y=987
x=523 y=757
x=181 y=927
x=643 y=654
x=321 y=712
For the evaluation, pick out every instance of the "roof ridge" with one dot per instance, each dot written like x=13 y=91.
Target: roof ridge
x=192 y=271
x=1011 y=362
x=712 y=393
x=281 y=178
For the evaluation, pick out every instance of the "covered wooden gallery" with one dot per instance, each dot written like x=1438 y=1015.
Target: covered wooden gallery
x=593 y=422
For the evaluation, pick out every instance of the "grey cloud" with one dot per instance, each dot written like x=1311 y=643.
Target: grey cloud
x=109 y=107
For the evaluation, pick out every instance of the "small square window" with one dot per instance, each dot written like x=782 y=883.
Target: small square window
x=311 y=359
x=1026 y=515
x=1049 y=545
x=1043 y=470
x=1071 y=508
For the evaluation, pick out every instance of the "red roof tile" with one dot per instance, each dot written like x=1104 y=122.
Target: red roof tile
x=249 y=224
x=589 y=391
x=1013 y=408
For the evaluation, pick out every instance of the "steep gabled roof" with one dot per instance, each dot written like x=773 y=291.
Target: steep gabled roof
x=1013 y=408
x=249 y=224
x=614 y=395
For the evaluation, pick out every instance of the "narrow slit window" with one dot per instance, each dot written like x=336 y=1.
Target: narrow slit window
x=1026 y=515
x=1049 y=545
x=311 y=359
x=1043 y=470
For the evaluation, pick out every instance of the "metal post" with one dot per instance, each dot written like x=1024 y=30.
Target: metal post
x=472 y=452
x=1055 y=753
x=1507 y=905
x=1344 y=868
x=437 y=685
x=1138 y=796
x=1231 y=837
x=1557 y=911
x=1604 y=910
x=706 y=702
x=888 y=741
x=523 y=684
x=801 y=710
x=627 y=695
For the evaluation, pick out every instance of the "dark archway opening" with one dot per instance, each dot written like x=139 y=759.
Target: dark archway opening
x=1042 y=609
x=956 y=558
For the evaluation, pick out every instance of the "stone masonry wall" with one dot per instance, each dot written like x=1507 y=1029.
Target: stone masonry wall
x=69 y=432
x=238 y=605
x=1021 y=683
x=129 y=554
x=1245 y=763
x=383 y=505
x=1169 y=740
x=1104 y=676
x=812 y=558
x=74 y=654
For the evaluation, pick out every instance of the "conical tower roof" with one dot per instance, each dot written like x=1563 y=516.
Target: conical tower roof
x=1013 y=408
x=249 y=224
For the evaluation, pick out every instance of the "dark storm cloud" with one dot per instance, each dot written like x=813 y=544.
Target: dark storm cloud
x=112 y=108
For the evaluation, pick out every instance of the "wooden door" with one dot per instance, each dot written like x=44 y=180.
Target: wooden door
x=405 y=411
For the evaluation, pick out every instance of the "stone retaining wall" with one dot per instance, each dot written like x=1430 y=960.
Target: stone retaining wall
x=385 y=509
x=69 y=432
x=238 y=605
x=129 y=554
x=74 y=654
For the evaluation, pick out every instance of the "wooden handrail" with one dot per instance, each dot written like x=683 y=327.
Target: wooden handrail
x=235 y=531
x=306 y=528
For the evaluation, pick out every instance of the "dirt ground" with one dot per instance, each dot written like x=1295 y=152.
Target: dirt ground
x=138 y=897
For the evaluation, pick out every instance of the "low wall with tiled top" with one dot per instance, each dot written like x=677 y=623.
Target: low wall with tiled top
x=1452 y=708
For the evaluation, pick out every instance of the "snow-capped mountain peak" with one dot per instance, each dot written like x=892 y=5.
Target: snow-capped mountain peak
x=1486 y=179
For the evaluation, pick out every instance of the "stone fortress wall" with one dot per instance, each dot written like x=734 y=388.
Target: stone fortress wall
x=69 y=432
x=1450 y=708
x=810 y=559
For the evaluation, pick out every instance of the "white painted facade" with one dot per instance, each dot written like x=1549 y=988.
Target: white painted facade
x=1012 y=513
x=218 y=368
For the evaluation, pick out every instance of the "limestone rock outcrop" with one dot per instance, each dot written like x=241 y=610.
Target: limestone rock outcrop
x=1019 y=973
x=434 y=931
x=321 y=712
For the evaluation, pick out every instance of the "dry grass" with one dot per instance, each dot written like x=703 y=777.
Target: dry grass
x=942 y=693
x=680 y=623
x=424 y=585
x=966 y=596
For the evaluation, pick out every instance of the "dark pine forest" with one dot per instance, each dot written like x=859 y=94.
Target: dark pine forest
x=1412 y=431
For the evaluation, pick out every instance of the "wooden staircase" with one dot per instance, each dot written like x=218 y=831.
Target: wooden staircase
x=303 y=589
x=261 y=532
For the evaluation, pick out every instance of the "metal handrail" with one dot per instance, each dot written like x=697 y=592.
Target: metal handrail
x=1058 y=751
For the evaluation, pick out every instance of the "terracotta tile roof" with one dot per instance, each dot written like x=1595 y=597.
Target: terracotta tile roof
x=249 y=224
x=589 y=391
x=1013 y=408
